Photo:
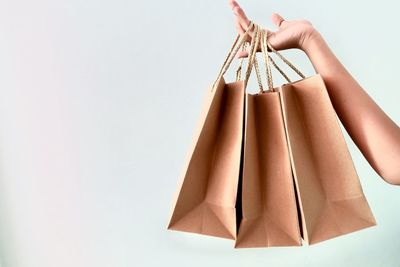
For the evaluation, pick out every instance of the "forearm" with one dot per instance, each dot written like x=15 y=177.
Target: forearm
x=375 y=134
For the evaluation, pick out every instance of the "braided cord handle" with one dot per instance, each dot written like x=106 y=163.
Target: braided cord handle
x=239 y=69
x=260 y=37
x=252 y=59
x=269 y=61
x=252 y=56
x=256 y=66
x=284 y=60
x=232 y=52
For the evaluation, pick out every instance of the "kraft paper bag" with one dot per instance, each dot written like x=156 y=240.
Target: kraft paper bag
x=206 y=197
x=331 y=199
x=268 y=202
x=268 y=199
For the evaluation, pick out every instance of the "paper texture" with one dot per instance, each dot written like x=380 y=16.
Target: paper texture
x=267 y=193
x=331 y=199
x=205 y=202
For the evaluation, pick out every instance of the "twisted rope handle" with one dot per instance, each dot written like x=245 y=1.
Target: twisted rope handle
x=259 y=37
x=279 y=69
x=267 y=58
x=257 y=68
x=232 y=52
x=239 y=69
x=269 y=61
x=252 y=55
x=255 y=63
x=284 y=60
x=252 y=60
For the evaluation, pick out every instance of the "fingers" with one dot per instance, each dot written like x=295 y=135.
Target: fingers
x=242 y=23
x=270 y=37
x=243 y=20
x=241 y=31
x=239 y=28
x=241 y=54
x=233 y=3
x=277 y=19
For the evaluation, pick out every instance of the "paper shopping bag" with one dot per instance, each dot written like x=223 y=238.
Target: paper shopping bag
x=331 y=199
x=269 y=214
x=206 y=198
x=268 y=199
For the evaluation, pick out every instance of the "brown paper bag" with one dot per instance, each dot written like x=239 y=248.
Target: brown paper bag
x=331 y=199
x=206 y=197
x=268 y=198
x=268 y=204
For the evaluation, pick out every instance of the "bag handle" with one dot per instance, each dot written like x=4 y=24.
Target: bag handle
x=252 y=57
x=259 y=37
x=239 y=69
x=284 y=60
x=255 y=63
x=262 y=37
x=268 y=61
x=232 y=53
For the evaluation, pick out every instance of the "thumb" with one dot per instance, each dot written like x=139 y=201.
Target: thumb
x=277 y=19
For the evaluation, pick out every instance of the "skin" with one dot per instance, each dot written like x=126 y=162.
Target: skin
x=374 y=133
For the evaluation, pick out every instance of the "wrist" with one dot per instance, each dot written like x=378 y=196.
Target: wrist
x=313 y=40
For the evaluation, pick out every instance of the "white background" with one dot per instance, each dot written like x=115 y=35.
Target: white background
x=98 y=104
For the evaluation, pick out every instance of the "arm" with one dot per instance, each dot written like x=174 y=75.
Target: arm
x=374 y=133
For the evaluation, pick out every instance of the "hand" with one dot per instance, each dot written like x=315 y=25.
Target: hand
x=290 y=34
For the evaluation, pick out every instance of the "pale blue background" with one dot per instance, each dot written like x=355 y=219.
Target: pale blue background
x=98 y=104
